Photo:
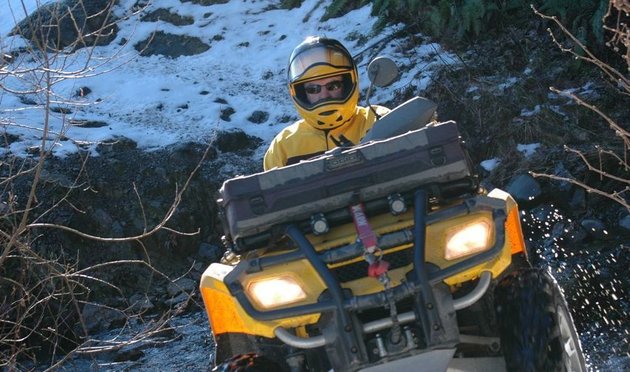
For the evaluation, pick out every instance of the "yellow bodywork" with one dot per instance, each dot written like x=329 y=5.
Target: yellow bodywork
x=226 y=314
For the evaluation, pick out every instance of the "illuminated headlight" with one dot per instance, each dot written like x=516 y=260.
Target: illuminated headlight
x=468 y=239
x=275 y=292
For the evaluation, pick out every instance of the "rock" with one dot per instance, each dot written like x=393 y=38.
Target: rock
x=162 y=14
x=8 y=139
x=117 y=230
x=199 y=267
x=561 y=171
x=95 y=21
x=129 y=353
x=524 y=188
x=578 y=199
x=594 y=228
x=27 y=100
x=190 y=151
x=258 y=117
x=87 y=123
x=181 y=285
x=171 y=45
x=183 y=297
x=558 y=230
x=61 y=110
x=210 y=252
x=574 y=233
x=99 y=317
x=82 y=92
x=226 y=113
x=115 y=145
x=542 y=214
x=206 y=2
x=140 y=302
x=286 y=119
x=102 y=218
x=236 y=141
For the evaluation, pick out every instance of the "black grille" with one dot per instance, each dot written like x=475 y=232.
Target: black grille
x=359 y=270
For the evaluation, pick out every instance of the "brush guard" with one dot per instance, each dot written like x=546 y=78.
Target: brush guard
x=433 y=308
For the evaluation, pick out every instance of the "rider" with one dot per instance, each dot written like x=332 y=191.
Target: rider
x=324 y=87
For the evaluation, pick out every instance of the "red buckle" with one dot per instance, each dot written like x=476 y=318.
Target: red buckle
x=378 y=268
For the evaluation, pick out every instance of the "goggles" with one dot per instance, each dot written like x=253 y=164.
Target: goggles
x=332 y=86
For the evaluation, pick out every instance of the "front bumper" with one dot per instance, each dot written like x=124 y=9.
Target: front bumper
x=433 y=308
x=441 y=360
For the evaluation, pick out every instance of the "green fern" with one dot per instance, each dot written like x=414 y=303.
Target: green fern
x=334 y=9
x=379 y=7
x=473 y=12
x=470 y=18
x=290 y=4
x=338 y=8
x=438 y=17
x=556 y=7
x=597 y=21
x=582 y=17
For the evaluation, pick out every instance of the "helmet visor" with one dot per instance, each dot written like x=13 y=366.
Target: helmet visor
x=339 y=92
x=319 y=55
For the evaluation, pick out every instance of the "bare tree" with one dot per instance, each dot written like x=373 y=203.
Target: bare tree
x=610 y=164
x=42 y=295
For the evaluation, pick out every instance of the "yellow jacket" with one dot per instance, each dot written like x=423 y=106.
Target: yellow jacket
x=300 y=140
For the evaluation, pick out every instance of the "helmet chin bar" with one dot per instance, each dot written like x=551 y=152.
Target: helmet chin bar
x=330 y=115
x=339 y=119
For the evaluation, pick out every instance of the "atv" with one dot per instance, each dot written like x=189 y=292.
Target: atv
x=386 y=255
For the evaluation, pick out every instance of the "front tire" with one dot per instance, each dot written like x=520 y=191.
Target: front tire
x=245 y=352
x=535 y=324
x=250 y=362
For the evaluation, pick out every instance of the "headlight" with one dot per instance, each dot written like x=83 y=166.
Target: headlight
x=274 y=292
x=468 y=239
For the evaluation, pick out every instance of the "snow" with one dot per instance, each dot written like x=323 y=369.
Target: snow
x=508 y=83
x=17 y=9
x=528 y=149
x=490 y=164
x=157 y=101
x=537 y=110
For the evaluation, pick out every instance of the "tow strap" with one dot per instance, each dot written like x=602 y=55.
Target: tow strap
x=377 y=267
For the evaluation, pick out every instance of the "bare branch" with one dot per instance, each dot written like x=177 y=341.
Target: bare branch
x=597 y=170
x=616 y=196
x=622 y=84
x=619 y=131
x=589 y=57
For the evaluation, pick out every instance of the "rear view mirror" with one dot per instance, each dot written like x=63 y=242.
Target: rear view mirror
x=382 y=71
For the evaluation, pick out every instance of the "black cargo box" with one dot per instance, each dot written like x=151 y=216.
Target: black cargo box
x=433 y=154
